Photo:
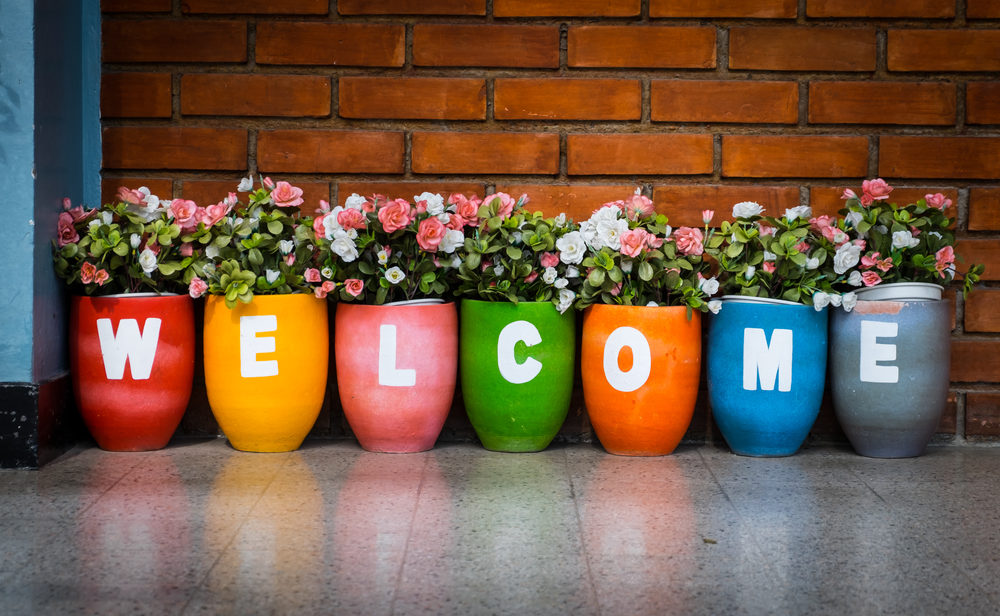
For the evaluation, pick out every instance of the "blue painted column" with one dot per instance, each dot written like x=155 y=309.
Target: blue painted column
x=49 y=149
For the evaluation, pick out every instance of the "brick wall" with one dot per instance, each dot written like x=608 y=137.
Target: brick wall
x=701 y=103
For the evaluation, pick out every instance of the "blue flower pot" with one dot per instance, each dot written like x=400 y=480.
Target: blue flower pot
x=766 y=372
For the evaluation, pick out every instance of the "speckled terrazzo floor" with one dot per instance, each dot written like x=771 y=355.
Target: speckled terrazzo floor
x=201 y=528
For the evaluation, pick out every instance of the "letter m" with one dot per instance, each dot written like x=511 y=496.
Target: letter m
x=128 y=344
x=767 y=360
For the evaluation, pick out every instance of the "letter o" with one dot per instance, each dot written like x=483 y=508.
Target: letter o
x=642 y=362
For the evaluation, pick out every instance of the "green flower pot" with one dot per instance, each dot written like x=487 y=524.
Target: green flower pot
x=516 y=363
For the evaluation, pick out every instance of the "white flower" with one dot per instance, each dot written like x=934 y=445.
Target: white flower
x=271 y=275
x=383 y=257
x=549 y=276
x=451 y=241
x=435 y=203
x=571 y=248
x=444 y=218
x=95 y=222
x=715 y=306
x=746 y=209
x=652 y=304
x=209 y=269
x=212 y=251
x=627 y=266
x=134 y=240
x=330 y=224
x=666 y=234
x=572 y=272
x=107 y=218
x=812 y=263
x=609 y=233
x=355 y=202
x=560 y=283
x=351 y=233
x=345 y=248
x=566 y=298
x=770 y=256
x=854 y=218
x=801 y=211
x=456 y=262
x=394 y=275
x=147 y=260
x=820 y=300
x=882 y=229
x=245 y=185
x=846 y=257
x=516 y=237
x=855 y=279
x=326 y=272
x=286 y=246
x=934 y=234
x=709 y=286
x=560 y=220
x=849 y=300
x=751 y=270
x=903 y=239
x=498 y=269
x=835 y=300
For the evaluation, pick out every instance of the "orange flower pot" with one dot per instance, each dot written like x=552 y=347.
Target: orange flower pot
x=641 y=367
x=266 y=368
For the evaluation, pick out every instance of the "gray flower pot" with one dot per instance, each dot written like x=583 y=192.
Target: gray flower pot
x=889 y=374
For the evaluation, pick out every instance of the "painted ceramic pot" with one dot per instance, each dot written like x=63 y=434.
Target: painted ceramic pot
x=889 y=374
x=766 y=373
x=901 y=291
x=266 y=368
x=517 y=364
x=396 y=371
x=641 y=367
x=132 y=361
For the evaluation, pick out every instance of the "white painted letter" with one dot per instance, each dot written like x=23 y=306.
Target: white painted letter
x=872 y=352
x=642 y=362
x=388 y=374
x=513 y=372
x=768 y=361
x=251 y=345
x=138 y=349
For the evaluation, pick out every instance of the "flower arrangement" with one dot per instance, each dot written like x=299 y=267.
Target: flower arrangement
x=782 y=258
x=257 y=248
x=632 y=257
x=378 y=250
x=132 y=245
x=893 y=243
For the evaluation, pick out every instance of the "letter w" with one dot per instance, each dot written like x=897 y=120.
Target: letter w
x=128 y=344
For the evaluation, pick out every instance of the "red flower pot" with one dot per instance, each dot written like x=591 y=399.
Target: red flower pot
x=132 y=360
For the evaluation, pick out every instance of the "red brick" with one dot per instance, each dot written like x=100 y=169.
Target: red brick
x=338 y=44
x=868 y=102
x=684 y=203
x=161 y=187
x=163 y=147
x=136 y=95
x=330 y=151
x=982 y=251
x=758 y=9
x=927 y=9
x=255 y=95
x=949 y=416
x=676 y=100
x=939 y=157
x=797 y=48
x=982 y=102
x=826 y=200
x=628 y=154
x=136 y=6
x=425 y=98
x=642 y=46
x=984 y=209
x=567 y=99
x=407 y=190
x=794 y=156
x=577 y=201
x=174 y=40
x=561 y=8
x=486 y=45
x=944 y=50
x=982 y=9
x=411 y=7
x=207 y=192
x=975 y=360
x=451 y=152
x=982 y=414
x=981 y=314
x=272 y=7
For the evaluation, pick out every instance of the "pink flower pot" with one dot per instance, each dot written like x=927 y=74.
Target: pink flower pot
x=396 y=368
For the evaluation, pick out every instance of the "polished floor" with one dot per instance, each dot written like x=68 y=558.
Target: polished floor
x=199 y=528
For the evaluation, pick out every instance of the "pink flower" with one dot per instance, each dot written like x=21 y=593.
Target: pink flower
x=530 y=278
x=616 y=290
x=185 y=213
x=860 y=244
x=318 y=227
x=835 y=235
x=765 y=230
x=394 y=215
x=870 y=278
x=352 y=219
x=186 y=250
x=870 y=261
x=66 y=230
x=324 y=206
x=874 y=190
x=101 y=277
x=430 y=233
x=640 y=205
x=820 y=222
x=87 y=272
x=268 y=183
x=849 y=194
x=802 y=247
x=214 y=213
x=505 y=205
x=354 y=286
x=937 y=200
x=884 y=264
x=468 y=209
x=77 y=212
x=548 y=259
x=455 y=222
x=768 y=266
x=197 y=287
x=707 y=216
x=324 y=289
x=420 y=206
x=312 y=275
x=129 y=195
x=633 y=241
x=944 y=260
x=370 y=202
x=653 y=241
x=286 y=195
x=290 y=259
x=688 y=241
x=616 y=204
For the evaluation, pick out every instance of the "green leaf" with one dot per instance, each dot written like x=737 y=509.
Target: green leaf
x=255 y=257
x=366 y=268
x=275 y=227
x=472 y=260
x=121 y=249
x=734 y=250
x=596 y=277
x=645 y=271
x=514 y=252
x=615 y=274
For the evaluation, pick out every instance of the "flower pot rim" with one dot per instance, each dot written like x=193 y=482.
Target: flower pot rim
x=143 y=294
x=422 y=301
x=891 y=291
x=616 y=306
x=751 y=299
